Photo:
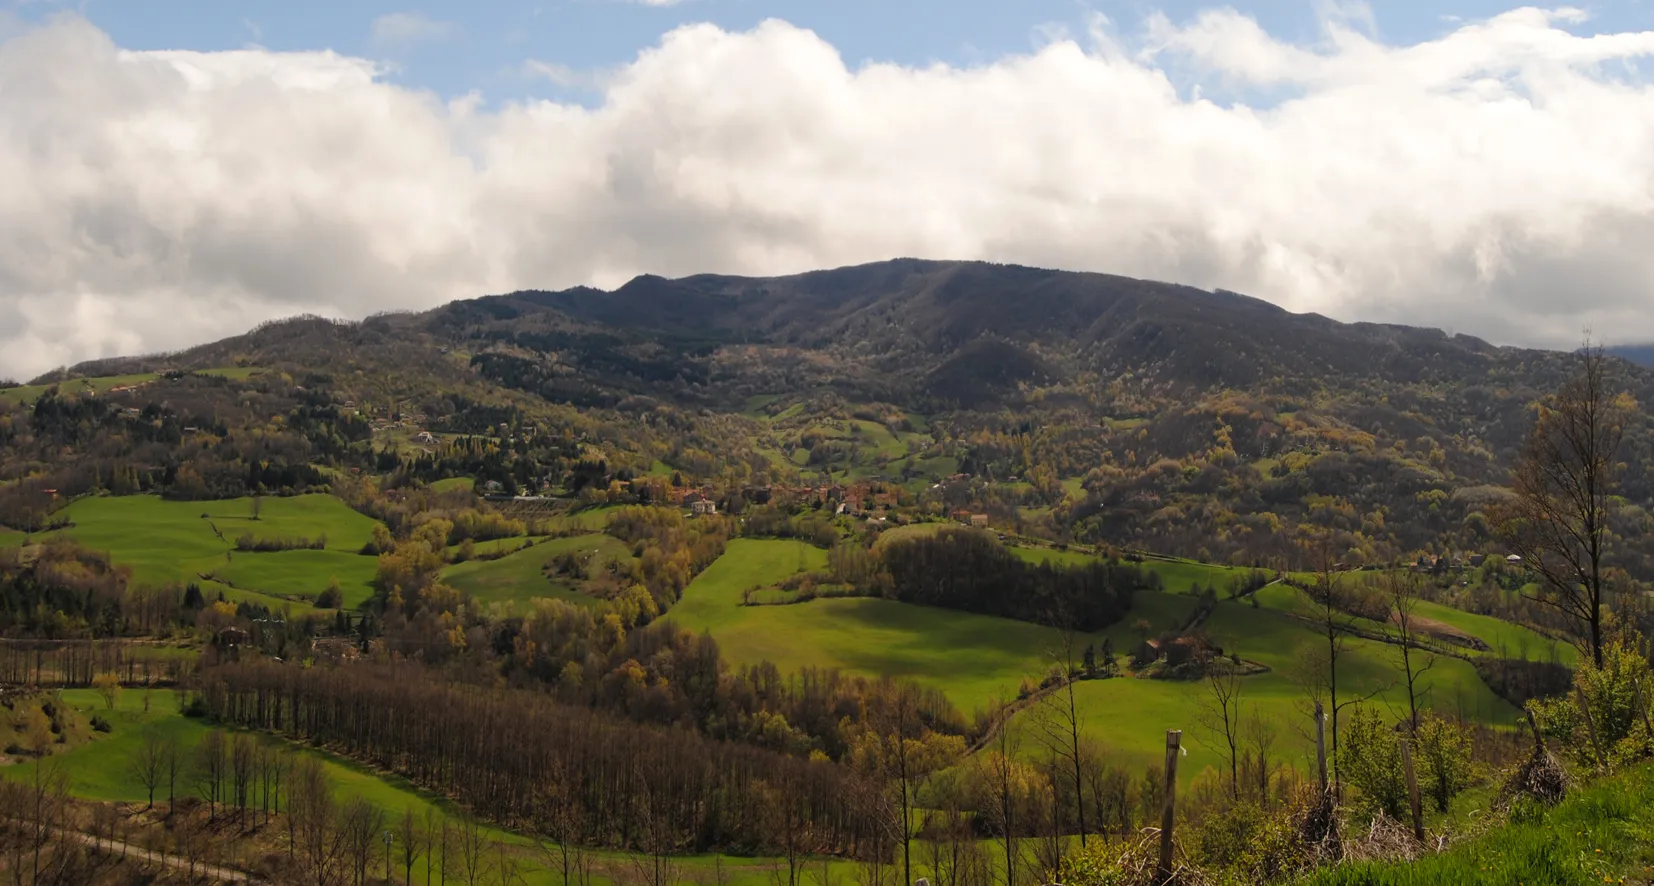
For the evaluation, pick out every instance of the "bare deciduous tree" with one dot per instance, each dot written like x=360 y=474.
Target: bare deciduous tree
x=1260 y=733
x=1402 y=589
x=1335 y=625
x=1219 y=716
x=413 y=839
x=1557 y=521
x=1057 y=719
x=211 y=770
x=148 y=764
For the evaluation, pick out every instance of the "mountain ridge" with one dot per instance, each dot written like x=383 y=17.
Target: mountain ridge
x=1203 y=423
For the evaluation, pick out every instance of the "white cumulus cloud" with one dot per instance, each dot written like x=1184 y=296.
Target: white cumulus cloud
x=1498 y=180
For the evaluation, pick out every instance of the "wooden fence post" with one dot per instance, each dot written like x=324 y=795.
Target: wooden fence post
x=1321 y=746
x=1412 y=787
x=1168 y=812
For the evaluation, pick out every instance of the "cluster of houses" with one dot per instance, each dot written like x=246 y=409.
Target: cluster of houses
x=1457 y=563
x=1175 y=651
x=855 y=500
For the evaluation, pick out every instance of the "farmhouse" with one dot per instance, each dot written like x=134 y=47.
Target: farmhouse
x=1148 y=652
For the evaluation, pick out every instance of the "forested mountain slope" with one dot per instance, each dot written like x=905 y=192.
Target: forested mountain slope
x=1079 y=406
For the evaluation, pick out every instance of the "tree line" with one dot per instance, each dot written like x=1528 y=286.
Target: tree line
x=521 y=759
x=971 y=571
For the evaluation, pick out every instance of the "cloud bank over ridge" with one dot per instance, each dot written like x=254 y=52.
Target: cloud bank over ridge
x=1498 y=180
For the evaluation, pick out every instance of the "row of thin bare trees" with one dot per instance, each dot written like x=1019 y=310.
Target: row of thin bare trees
x=516 y=757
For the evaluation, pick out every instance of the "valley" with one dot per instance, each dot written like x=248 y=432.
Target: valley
x=932 y=571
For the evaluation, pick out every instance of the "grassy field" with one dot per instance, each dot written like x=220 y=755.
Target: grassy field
x=1503 y=638
x=1130 y=716
x=10 y=538
x=302 y=574
x=170 y=541
x=912 y=530
x=453 y=483
x=591 y=519
x=509 y=545
x=30 y=393
x=972 y=658
x=1506 y=640
x=1054 y=556
x=1177 y=576
x=1181 y=576
x=518 y=577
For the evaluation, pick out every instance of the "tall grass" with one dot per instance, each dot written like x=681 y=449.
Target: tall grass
x=1603 y=834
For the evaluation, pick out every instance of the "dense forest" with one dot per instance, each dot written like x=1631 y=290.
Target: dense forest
x=969 y=570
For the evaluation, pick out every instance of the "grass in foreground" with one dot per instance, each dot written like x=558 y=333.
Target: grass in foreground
x=1602 y=834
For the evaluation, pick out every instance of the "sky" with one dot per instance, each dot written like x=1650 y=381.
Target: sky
x=176 y=172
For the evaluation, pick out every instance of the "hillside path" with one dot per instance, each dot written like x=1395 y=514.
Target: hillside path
x=215 y=872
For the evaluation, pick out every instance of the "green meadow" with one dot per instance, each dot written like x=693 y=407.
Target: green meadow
x=1182 y=576
x=454 y=483
x=1503 y=638
x=1131 y=715
x=497 y=545
x=102 y=384
x=972 y=658
x=521 y=576
x=175 y=541
x=10 y=538
x=302 y=574
x=1054 y=556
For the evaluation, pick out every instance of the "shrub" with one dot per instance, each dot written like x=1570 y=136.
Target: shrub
x=100 y=724
x=1618 y=731
x=332 y=597
x=1370 y=760
x=1443 y=752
